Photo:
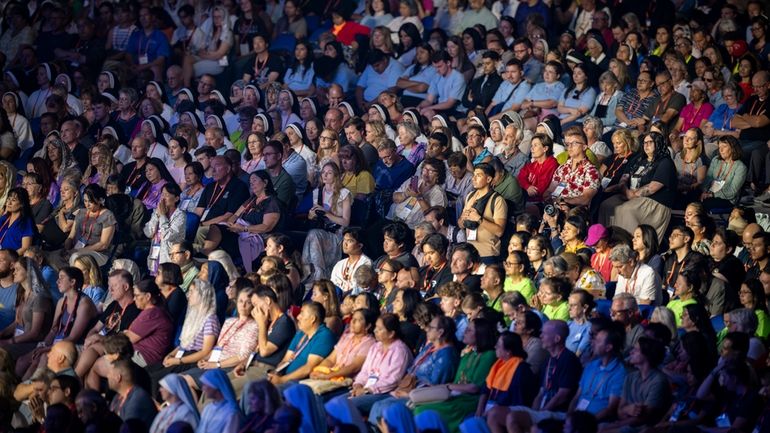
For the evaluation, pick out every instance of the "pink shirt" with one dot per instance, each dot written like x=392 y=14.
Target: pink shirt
x=692 y=118
x=348 y=350
x=388 y=367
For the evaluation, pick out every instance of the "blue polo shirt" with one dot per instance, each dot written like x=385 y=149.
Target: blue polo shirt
x=585 y=99
x=503 y=93
x=426 y=75
x=544 y=91
x=450 y=87
x=154 y=46
x=598 y=383
x=320 y=344
x=374 y=83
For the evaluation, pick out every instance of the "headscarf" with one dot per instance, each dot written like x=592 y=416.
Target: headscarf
x=10 y=181
x=342 y=409
x=217 y=379
x=474 y=425
x=292 y=100
x=13 y=77
x=111 y=94
x=400 y=418
x=48 y=70
x=553 y=127
x=198 y=314
x=302 y=398
x=268 y=124
x=430 y=420
x=256 y=91
x=383 y=112
x=67 y=82
x=218 y=279
x=313 y=104
x=344 y=105
x=300 y=131
x=481 y=119
x=199 y=125
x=35 y=276
x=157 y=124
x=111 y=77
x=176 y=385
x=157 y=87
x=19 y=105
x=220 y=123
x=128 y=265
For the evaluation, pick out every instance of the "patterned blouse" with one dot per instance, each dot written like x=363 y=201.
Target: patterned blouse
x=237 y=338
x=584 y=176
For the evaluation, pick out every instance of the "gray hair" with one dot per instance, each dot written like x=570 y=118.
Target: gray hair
x=426 y=227
x=629 y=301
x=410 y=128
x=745 y=320
x=665 y=316
x=622 y=253
x=595 y=122
x=559 y=265
x=609 y=77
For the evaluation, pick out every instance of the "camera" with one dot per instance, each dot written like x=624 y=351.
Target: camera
x=320 y=213
x=471 y=225
x=551 y=210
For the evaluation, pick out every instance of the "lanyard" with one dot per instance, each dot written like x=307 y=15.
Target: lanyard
x=761 y=107
x=673 y=268
x=214 y=196
x=70 y=318
x=662 y=104
x=550 y=371
x=146 y=46
x=729 y=170
x=612 y=170
x=347 y=268
x=131 y=177
x=6 y=227
x=429 y=274
x=229 y=335
x=90 y=227
x=302 y=345
x=598 y=387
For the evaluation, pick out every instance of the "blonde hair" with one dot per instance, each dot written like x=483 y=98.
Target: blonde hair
x=92 y=275
x=106 y=167
x=386 y=36
x=378 y=127
x=324 y=155
x=627 y=138
x=337 y=187
x=189 y=131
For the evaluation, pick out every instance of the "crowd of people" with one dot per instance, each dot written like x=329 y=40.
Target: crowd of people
x=399 y=216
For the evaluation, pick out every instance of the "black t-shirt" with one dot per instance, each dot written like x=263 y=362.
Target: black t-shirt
x=176 y=304
x=133 y=177
x=115 y=319
x=413 y=335
x=755 y=107
x=280 y=334
x=217 y=202
x=272 y=64
x=692 y=262
x=434 y=279
x=663 y=171
x=561 y=372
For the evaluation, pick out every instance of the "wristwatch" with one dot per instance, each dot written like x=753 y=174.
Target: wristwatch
x=219 y=364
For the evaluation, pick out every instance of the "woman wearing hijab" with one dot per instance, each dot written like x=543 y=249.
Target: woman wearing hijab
x=302 y=398
x=219 y=280
x=648 y=192
x=263 y=124
x=222 y=415
x=15 y=110
x=192 y=118
x=179 y=404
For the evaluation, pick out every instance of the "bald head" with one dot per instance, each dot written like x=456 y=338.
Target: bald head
x=749 y=232
x=559 y=328
x=335 y=95
x=62 y=356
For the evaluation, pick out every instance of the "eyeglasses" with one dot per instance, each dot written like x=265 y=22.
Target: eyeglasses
x=506 y=263
x=574 y=143
x=326 y=137
x=381 y=270
x=614 y=313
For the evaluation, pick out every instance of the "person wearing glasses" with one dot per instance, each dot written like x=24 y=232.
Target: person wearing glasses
x=181 y=254
x=667 y=105
x=635 y=278
x=753 y=120
x=576 y=182
x=720 y=122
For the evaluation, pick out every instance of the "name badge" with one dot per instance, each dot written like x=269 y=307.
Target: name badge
x=103 y=332
x=559 y=190
x=179 y=354
x=371 y=381
x=723 y=421
x=223 y=61
x=216 y=354
x=717 y=186
x=19 y=331
x=58 y=338
x=251 y=359
x=606 y=182
x=205 y=214
x=244 y=49
x=471 y=235
x=154 y=252
x=143 y=60
x=80 y=244
x=583 y=404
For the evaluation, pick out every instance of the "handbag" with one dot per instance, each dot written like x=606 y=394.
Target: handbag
x=407 y=384
x=429 y=394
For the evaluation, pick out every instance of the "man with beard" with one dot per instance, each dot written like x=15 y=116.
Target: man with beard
x=8 y=288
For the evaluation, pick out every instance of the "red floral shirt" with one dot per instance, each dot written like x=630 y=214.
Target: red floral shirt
x=576 y=181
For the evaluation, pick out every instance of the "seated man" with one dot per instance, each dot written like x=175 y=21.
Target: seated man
x=130 y=401
x=666 y=107
x=577 y=181
x=381 y=74
x=344 y=271
x=446 y=91
x=310 y=346
x=511 y=92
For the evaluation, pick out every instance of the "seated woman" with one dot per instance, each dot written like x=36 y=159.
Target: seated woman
x=39 y=204
x=331 y=211
x=92 y=280
x=169 y=279
x=198 y=337
x=686 y=292
x=178 y=158
x=648 y=195
x=420 y=193
x=725 y=177
x=516 y=279
x=510 y=381
x=551 y=296
x=385 y=365
x=324 y=292
x=157 y=176
x=166 y=226
x=92 y=231
x=693 y=114
x=475 y=363
x=645 y=243
x=593 y=127
x=528 y=326
x=607 y=100
x=300 y=75
x=209 y=46
x=152 y=331
x=254 y=220
x=235 y=343
x=544 y=97
x=436 y=364
x=73 y=313
x=408 y=147
x=691 y=166
x=720 y=123
x=193 y=175
x=577 y=100
x=614 y=167
x=582 y=276
x=535 y=177
x=35 y=307
x=17 y=225
x=101 y=165
x=281 y=246
x=752 y=297
x=356 y=176
x=348 y=356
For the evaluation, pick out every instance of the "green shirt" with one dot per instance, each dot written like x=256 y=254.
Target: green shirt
x=677 y=306
x=559 y=311
x=526 y=287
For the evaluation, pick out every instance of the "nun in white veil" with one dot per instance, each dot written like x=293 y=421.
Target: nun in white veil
x=180 y=404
